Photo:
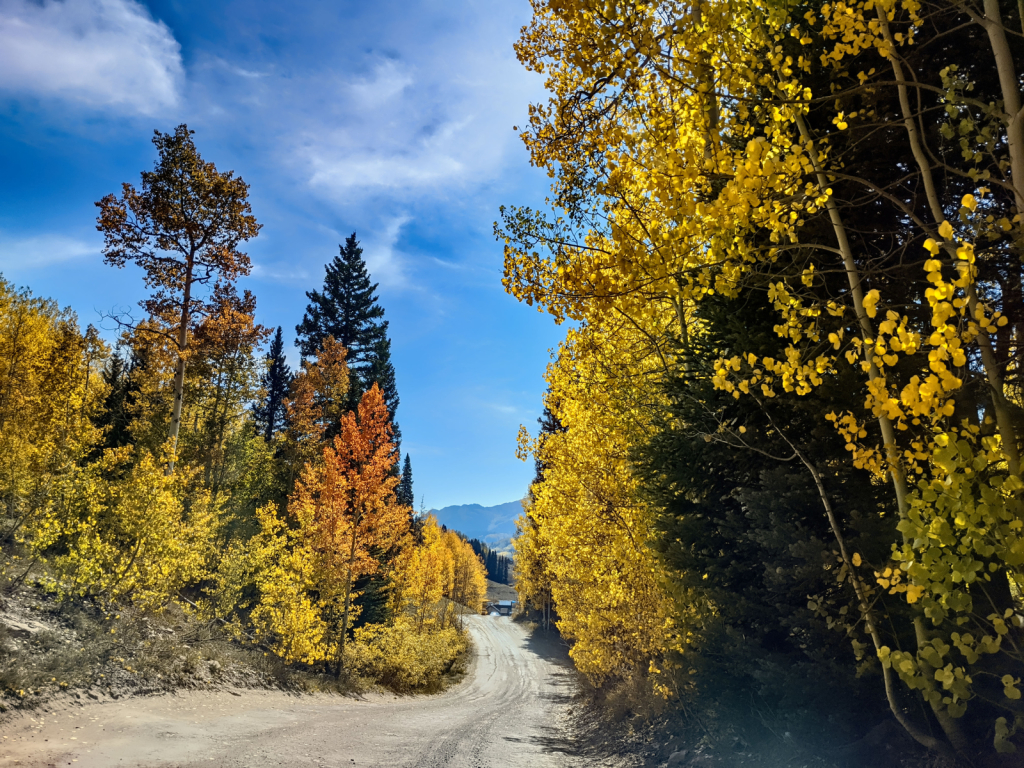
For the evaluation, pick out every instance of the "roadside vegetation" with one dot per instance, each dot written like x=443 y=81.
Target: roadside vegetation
x=180 y=502
x=778 y=490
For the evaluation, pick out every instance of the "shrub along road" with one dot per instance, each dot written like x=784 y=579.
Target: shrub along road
x=509 y=711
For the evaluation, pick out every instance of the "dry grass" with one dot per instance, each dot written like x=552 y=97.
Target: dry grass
x=79 y=649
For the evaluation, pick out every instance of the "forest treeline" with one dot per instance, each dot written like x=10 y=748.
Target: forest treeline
x=779 y=477
x=499 y=567
x=188 y=464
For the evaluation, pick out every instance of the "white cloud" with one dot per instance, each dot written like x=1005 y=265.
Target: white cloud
x=102 y=53
x=340 y=170
x=279 y=271
x=384 y=262
x=21 y=254
x=437 y=120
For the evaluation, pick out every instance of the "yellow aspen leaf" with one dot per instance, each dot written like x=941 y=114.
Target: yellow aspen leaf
x=870 y=302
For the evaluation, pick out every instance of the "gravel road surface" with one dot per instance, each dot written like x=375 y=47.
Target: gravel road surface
x=508 y=712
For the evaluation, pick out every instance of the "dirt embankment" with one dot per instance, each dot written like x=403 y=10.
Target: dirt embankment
x=498 y=591
x=74 y=650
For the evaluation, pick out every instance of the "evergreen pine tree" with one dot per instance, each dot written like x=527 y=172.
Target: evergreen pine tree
x=404 y=491
x=121 y=373
x=269 y=414
x=382 y=372
x=347 y=309
x=115 y=416
x=491 y=563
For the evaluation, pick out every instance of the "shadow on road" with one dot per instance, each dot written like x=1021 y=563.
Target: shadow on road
x=561 y=689
x=549 y=646
x=555 y=742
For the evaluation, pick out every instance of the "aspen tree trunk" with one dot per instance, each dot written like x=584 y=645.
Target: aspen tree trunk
x=863 y=602
x=949 y=726
x=867 y=330
x=348 y=601
x=179 y=371
x=1015 y=142
x=992 y=22
x=1001 y=407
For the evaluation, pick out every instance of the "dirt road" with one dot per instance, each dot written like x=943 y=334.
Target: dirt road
x=508 y=712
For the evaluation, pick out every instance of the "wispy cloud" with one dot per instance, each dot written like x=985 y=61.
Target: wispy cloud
x=279 y=271
x=101 y=53
x=387 y=81
x=510 y=409
x=21 y=254
x=435 y=119
x=383 y=259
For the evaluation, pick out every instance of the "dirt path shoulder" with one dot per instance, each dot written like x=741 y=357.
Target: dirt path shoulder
x=511 y=710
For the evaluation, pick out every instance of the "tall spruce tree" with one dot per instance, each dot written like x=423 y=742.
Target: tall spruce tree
x=404 y=491
x=347 y=309
x=277 y=379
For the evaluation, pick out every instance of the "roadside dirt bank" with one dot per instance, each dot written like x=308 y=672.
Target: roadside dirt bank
x=512 y=710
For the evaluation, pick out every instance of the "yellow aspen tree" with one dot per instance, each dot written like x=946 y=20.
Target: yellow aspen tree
x=672 y=213
x=468 y=586
x=593 y=530
x=424 y=578
x=121 y=529
x=51 y=392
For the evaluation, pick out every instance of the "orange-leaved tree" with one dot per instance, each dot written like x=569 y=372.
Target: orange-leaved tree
x=183 y=228
x=315 y=403
x=346 y=508
x=226 y=377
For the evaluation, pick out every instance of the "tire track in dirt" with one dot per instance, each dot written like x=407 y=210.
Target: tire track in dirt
x=507 y=712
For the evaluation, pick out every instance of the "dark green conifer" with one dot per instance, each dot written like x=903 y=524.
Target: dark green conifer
x=115 y=416
x=269 y=413
x=382 y=373
x=347 y=309
x=404 y=491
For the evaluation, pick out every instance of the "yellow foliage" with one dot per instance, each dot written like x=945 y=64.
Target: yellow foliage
x=402 y=658
x=438 y=579
x=687 y=150
x=590 y=526
x=50 y=392
x=122 y=528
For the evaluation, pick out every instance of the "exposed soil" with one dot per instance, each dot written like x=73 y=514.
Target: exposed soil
x=499 y=591
x=76 y=651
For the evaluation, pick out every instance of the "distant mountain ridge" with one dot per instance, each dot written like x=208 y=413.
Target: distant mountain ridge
x=495 y=526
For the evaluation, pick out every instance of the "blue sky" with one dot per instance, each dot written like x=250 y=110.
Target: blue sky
x=392 y=119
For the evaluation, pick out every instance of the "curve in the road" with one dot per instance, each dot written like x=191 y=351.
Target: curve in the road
x=508 y=712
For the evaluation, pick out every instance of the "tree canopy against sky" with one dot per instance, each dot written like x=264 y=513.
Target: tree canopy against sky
x=348 y=309
x=848 y=168
x=339 y=138
x=183 y=228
